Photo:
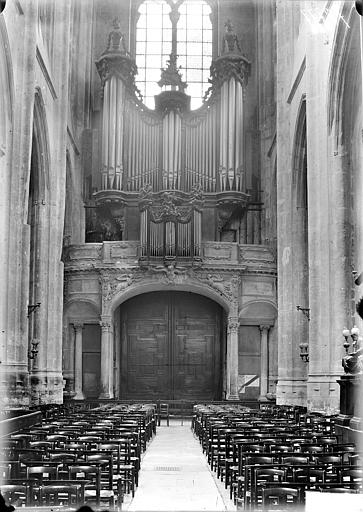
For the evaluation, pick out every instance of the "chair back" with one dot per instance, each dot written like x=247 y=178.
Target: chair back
x=280 y=497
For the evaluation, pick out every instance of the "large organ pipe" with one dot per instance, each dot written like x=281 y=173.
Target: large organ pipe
x=180 y=145
x=133 y=163
x=138 y=151
x=120 y=139
x=147 y=166
x=111 y=133
x=105 y=135
x=176 y=141
x=129 y=150
x=165 y=150
x=204 y=154
x=238 y=134
x=143 y=235
x=214 y=156
x=223 y=135
x=208 y=150
x=231 y=130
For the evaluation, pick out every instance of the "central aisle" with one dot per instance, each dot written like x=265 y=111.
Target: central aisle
x=175 y=476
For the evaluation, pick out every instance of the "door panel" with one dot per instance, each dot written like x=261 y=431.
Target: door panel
x=249 y=361
x=145 y=349
x=170 y=347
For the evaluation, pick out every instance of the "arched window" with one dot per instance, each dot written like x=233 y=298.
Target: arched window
x=153 y=46
x=194 y=47
x=184 y=28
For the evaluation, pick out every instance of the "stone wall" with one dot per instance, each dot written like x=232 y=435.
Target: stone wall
x=311 y=55
x=39 y=67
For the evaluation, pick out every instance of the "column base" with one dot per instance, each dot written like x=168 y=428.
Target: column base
x=105 y=396
x=263 y=398
x=232 y=397
x=78 y=396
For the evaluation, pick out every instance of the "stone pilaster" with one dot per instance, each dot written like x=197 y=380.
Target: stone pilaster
x=106 y=358
x=232 y=358
x=78 y=361
x=264 y=330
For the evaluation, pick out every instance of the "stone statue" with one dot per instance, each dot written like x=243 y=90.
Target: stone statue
x=353 y=363
x=230 y=39
x=116 y=39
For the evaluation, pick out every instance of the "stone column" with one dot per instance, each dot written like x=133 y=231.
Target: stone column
x=78 y=361
x=232 y=358
x=106 y=358
x=264 y=330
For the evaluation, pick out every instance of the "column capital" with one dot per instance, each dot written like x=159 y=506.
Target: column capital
x=264 y=327
x=233 y=324
x=105 y=322
x=78 y=326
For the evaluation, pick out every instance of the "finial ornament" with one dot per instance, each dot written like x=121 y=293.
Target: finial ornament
x=171 y=75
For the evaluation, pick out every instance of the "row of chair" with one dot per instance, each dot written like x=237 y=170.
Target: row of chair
x=88 y=456
x=251 y=450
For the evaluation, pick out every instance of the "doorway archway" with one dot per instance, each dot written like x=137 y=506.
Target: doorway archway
x=171 y=347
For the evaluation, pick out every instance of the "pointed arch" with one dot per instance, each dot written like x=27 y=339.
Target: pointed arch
x=336 y=76
x=41 y=142
x=6 y=89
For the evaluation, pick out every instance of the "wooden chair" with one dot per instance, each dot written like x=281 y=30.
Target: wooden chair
x=42 y=473
x=280 y=497
x=60 y=495
x=16 y=495
x=254 y=481
x=163 y=412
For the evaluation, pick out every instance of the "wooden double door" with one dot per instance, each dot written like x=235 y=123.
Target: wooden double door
x=171 y=347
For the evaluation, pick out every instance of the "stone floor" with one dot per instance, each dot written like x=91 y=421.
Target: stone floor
x=175 y=476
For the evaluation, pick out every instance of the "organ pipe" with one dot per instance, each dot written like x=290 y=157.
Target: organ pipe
x=139 y=147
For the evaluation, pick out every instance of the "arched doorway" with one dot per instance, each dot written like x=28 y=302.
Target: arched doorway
x=171 y=347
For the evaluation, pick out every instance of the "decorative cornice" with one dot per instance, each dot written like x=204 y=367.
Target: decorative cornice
x=225 y=67
x=121 y=66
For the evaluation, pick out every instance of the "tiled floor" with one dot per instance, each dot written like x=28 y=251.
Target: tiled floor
x=175 y=476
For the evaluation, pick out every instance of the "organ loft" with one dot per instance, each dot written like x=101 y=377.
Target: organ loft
x=181 y=202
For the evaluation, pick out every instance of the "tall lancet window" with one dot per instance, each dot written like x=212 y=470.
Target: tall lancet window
x=184 y=28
